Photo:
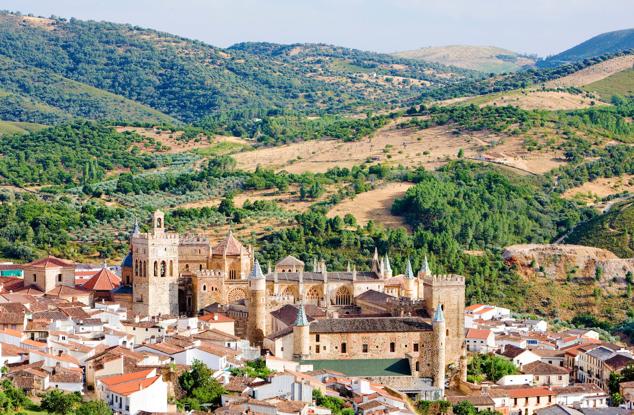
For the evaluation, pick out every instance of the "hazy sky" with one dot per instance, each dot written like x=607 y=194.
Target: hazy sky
x=536 y=26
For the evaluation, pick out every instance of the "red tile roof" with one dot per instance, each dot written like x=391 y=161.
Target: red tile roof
x=50 y=262
x=128 y=388
x=104 y=280
x=478 y=334
x=216 y=317
x=128 y=377
x=64 y=291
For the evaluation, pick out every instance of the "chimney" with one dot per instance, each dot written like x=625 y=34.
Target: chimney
x=216 y=316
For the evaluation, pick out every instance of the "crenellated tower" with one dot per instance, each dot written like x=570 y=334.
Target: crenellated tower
x=448 y=291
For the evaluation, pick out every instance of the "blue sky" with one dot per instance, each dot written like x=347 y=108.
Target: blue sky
x=536 y=26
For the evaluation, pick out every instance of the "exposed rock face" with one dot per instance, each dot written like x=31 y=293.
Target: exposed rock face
x=559 y=261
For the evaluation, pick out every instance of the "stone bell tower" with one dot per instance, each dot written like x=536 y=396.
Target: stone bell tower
x=155 y=270
x=256 y=325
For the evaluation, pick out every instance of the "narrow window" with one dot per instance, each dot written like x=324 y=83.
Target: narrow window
x=392 y=347
x=344 y=348
x=365 y=348
x=317 y=338
x=317 y=349
x=415 y=347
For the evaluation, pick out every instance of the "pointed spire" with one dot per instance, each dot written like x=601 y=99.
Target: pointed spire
x=301 y=319
x=409 y=274
x=136 y=231
x=424 y=268
x=376 y=254
x=439 y=316
x=269 y=268
x=388 y=267
x=256 y=272
x=348 y=268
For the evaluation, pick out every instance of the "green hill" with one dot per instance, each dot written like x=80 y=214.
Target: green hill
x=42 y=96
x=478 y=58
x=15 y=127
x=611 y=231
x=190 y=80
x=606 y=43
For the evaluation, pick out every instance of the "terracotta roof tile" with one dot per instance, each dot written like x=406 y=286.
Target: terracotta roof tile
x=478 y=334
x=50 y=262
x=229 y=246
x=104 y=280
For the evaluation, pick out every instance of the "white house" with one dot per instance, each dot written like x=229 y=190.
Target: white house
x=519 y=357
x=480 y=340
x=214 y=357
x=514 y=380
x=134 y=392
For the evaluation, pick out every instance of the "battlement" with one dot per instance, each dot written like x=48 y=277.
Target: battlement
x=209 y=273
x=148 y=236
x=444 y=279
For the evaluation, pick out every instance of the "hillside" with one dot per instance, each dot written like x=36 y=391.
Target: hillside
x=42 y=96
x=478 y=58
x=610 y=42
x=190 y=80
x=612 y=231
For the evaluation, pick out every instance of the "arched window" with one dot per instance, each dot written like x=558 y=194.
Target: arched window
x=145 y=268
x=204 y=288
x=171 y=269
x=417 y=365
x=233 y=274
x=163 y=270
x=200 y=267
x=343 y=296
x=159 y=223
x=136 y=268
x=155 y=269
x=186 y=267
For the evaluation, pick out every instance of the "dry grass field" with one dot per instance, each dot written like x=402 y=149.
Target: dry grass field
x=602 y=187
x=594 y=73
x=374 y=205
x=543 y=100
x=171 y=140
x=430 y=148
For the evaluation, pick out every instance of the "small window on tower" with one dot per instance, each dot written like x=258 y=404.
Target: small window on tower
x=364 y=348
x=415 y=347
x=344 y=348
x=392 y=347
x=59 y=277
x=204 y=288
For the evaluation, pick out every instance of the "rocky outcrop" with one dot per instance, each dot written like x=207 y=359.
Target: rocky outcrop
x=560 y=261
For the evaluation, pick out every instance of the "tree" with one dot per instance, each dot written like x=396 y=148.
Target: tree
x=93 y=408
x=58 y=402
x=464 y=408
x=491 y=366
x=201 y=390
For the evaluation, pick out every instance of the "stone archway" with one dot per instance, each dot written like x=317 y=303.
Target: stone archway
x=313 y=295
x=291 y=291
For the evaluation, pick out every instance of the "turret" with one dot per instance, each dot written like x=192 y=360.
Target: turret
x=375 y=265
x=301 y=335
x=388 y=267
x=410 y=282
x=439 y=338
x=424 y=268
x=158 y=222
x=256 y=324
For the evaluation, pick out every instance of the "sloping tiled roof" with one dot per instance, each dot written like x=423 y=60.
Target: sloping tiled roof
x=116 y=379
x=229 y=246
x=104 y=280
x=128 y=388
x=619 y=361
x=541 y=368
x=50 y=262
x=64 y=291
x=370 y=325
x=375 y=297
x=478 y=334
x=290 y=260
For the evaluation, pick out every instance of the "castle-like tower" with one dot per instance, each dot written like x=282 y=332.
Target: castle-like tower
x=410 y=282
x=439 y=339
x=155 y=269
x=256 y=325
x=448 y=291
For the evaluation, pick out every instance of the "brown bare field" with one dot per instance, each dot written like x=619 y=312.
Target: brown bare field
x=594 y=73
x=374 y=205
x=170 y=140
x=545 y=100
x=39 y=22
x=603 y=187
x=430 y=148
